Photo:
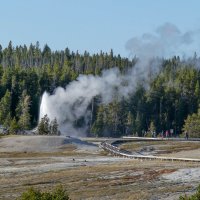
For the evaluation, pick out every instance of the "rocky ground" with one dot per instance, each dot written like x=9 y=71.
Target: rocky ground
x=89 y=173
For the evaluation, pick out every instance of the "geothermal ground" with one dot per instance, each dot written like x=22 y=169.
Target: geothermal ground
x=88 y=172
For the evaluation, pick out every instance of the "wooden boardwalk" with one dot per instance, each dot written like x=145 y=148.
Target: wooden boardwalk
x=107 y=145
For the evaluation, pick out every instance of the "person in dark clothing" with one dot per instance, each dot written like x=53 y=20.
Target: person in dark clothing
x=186 y=135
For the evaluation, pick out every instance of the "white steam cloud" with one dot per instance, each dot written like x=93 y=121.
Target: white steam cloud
x=167 y=41
x=71 y=103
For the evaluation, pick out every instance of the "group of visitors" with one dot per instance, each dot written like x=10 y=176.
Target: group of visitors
x=165 y=134
x=168 y=134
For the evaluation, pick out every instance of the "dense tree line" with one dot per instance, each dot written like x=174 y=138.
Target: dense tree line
x=26 y=72
x=173 y=95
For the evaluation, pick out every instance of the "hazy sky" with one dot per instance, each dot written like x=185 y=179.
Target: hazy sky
x=91 y=25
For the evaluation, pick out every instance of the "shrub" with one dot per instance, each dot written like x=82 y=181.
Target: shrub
x=33 y=194
x=195 y=196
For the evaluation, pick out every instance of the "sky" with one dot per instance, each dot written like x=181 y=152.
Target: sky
x=91 y=25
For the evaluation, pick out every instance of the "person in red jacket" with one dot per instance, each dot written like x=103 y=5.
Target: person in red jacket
x=167 y=134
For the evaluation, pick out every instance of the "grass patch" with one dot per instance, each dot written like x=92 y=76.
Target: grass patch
x=95 y=180
x=68 y=150
x=164 y=146
x=120 y=180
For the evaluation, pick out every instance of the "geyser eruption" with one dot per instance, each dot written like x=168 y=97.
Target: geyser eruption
x=71 y=103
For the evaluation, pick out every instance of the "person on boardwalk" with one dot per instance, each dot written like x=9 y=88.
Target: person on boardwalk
x=186 y=135
x=167 y=134
x=162 y=134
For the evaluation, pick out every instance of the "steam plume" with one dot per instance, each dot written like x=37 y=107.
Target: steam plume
x=167 y=41
x=71 y=103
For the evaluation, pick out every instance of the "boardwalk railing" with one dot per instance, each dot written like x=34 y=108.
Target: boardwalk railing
x=123 y=153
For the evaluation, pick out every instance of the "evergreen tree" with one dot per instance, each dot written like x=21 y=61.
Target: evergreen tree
x=54 y=127
x=98 y=125
x=192 y=124
x=23 y=111
x=129 y=124
x=14 y=127
x=152 y=128
x=7 y=120
x=5 y=105
x=44 y=126
x=47 y=127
